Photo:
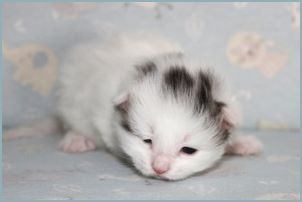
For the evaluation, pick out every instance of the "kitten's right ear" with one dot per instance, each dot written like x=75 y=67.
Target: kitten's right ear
x=121 y=102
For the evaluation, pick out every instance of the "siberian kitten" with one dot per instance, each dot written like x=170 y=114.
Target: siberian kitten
x=139 y=96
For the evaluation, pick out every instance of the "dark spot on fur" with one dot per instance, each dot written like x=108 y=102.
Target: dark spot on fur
x=178 y=80
x=204 y=97
x=146 y=68
x=222 y=136
x=216 y=108
x=125 y=124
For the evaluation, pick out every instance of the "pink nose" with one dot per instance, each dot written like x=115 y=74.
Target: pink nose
x=160 y=171
x=161 y=164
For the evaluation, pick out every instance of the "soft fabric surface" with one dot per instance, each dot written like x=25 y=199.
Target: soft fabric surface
x=35 y=169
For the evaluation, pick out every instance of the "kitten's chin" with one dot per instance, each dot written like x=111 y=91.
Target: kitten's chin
x=160 y=177
x=169 y=176
x=151 y=174
x=172 y=177
x=165 y=177
x=147 y=174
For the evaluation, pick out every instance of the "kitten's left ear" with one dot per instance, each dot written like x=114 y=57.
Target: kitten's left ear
x=121 y=102
x=230 y=116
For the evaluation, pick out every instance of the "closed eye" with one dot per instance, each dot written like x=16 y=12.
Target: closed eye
x=148 y=141
x=188 y=150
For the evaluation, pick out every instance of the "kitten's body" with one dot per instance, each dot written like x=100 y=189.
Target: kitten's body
x=93 y=74
x=139 y=96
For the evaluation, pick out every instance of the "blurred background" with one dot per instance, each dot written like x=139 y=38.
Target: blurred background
x=255 y=45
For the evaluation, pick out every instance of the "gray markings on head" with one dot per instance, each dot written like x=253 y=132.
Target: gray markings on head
x=203 y=96
x=178 y=81
x=146 y=68
x=199 y=88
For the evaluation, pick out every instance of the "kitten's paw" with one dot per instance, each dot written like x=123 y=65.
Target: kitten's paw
x=74 y=143
x=244 y=146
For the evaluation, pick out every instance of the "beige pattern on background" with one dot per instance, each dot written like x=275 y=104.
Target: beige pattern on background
x=250 y=50
x=295 y=10
x=40 y=79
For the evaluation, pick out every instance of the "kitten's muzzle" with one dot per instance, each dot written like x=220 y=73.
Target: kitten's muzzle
x=161 y=164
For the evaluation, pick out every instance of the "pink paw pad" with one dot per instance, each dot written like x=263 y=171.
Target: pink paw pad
x=74 y=143
x=244 y=146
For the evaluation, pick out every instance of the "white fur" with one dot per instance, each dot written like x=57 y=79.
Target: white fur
x=94 y=73
x=98 y=75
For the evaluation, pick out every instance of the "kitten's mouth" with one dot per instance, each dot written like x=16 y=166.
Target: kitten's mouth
x=160 y=176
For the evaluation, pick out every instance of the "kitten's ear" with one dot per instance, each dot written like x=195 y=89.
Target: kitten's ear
x=230 y=117
x=121 y=102
x=227 y=123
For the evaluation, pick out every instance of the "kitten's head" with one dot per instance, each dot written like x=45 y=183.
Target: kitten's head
x=171 y=124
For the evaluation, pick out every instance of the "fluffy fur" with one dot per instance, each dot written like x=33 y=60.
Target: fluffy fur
x=140 y=97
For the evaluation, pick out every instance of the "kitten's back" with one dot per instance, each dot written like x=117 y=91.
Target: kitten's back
x=93 y=73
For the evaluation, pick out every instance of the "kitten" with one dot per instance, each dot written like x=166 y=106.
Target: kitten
x=140 y=97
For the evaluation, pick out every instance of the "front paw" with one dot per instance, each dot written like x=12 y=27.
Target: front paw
x=75 y=143
x=244 y=146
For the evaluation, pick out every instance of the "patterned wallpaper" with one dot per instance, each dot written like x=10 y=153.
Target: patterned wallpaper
x=255 y=45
